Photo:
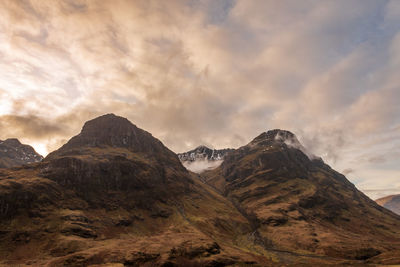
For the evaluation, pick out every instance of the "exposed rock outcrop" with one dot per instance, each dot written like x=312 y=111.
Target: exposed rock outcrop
x=13 y=153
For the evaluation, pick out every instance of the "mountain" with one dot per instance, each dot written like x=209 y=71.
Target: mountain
x=111 y=153
x=116 y=196
x=13 y=153
x=203 y=158
x=203 y=152
x=390 y=202
x=300 y=204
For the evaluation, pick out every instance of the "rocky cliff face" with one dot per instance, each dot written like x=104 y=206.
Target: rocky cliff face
x=390 y=202
x=13 y=153
x=111 y=131
x=111 y=153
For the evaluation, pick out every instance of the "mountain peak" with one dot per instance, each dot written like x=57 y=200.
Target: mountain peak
x=204 y=153
x=113 y=131
x=12 y=141
x=109 y=123
x=276 y=134
x=203 y=158
x=201 y=147
x=282 y=138
x=13 y=153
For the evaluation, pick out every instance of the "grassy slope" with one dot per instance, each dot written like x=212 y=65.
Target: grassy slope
x=53 y=224
x=56 y=225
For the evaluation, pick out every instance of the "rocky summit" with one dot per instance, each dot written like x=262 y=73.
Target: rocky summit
x=13 y=153
x=116 y=196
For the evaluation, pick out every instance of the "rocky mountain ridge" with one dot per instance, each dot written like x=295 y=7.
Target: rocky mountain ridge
x=204 y=153
x=203 y=158
x=115 y=195
x=13 y=153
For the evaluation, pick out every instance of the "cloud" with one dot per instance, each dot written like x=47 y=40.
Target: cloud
x=32 y=126
x=347 y=171
x=199 y=166
x=208 y=72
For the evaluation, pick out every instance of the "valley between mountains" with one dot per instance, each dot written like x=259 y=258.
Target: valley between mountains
x=114 y=195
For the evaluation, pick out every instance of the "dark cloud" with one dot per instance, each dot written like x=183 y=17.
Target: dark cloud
x=29 y=125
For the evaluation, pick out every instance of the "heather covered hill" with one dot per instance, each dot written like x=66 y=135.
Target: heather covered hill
x=300 y=204
x=116 y=195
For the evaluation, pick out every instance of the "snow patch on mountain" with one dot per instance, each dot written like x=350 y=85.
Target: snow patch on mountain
x=201 y=165
x=291 y=141
x=203 y=158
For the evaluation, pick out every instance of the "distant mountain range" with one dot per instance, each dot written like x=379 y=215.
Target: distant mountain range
x=204 y=153
x=13 y=153
x=391 y=202
x=116 y=196
x=203 y=158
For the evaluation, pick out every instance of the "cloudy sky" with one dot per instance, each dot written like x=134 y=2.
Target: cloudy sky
x=211 y=72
